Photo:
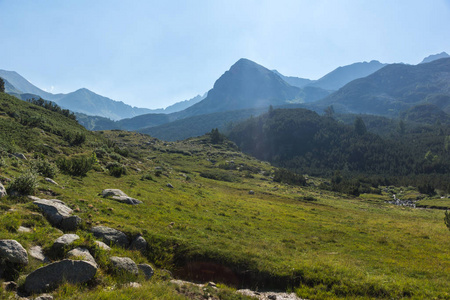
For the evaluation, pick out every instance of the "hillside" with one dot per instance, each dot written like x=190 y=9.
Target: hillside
x=392 y=89
x=294 y=81
x=434 y=57
x=209 y=213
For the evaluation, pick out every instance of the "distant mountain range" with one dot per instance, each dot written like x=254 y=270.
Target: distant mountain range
x=433 y=57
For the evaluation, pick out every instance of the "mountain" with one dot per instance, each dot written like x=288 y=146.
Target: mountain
x=9 y=88
x=393 y=89
x=343 y=75
x=179 y=106
x=434 y=57
x=294 y=81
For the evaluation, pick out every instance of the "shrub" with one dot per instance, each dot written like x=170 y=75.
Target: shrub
x=45 y=168
x=146 y=177
x=76 y=166
x=218 y=175
x=74 y=139
x=25 y=184
x=115 y=169
x=286 y=176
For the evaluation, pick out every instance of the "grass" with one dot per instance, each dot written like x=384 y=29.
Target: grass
x=317 y=243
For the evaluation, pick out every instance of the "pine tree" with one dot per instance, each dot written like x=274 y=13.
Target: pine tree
x=2 y=85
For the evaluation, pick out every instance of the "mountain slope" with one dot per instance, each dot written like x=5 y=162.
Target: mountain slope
x=434 y=57
x=294 y=81
x=393 y=89
x=343 y=75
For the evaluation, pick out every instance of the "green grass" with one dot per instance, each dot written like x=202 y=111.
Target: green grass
x=334 y=247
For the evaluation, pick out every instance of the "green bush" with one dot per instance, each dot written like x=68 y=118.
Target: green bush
x=25 y=184
x=45 y=168
x=286 y=176
x=219 y=175
x=115 y=169
x=76 y=166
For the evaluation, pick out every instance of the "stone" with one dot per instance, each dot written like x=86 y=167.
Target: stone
x=82 y=253
x=44 y=297
x=169 y=185
x=126 y=200
x=51 y=181
x=9 y=286
x=147 y=270
x=124 y=264
x=3 y=192
x=111 y=236
x=20 y=155
x=133 y=285
x=251 y=192
x=37 y=253
x=102 y=246
x=70 y=223
x=50 y=276
x=12 y=251
x=112 y=192
x=65 y=240
x=22 y=229
x=140 y=244
x=54 y=210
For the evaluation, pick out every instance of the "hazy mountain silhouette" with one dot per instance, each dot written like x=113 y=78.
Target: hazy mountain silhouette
x=434 y=57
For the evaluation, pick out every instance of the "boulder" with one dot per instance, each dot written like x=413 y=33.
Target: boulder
x=51 y=181
x=3 y=192
x=147 y=270
x=124 y=264
x=169 y=185
x=52 y=275
x=140 y=244
x=44 y=297
x=20 y=155
x=112 y=192
x=82 y=253
x=102 y=246
x=70 y=223
x=111 y=236
x=37 y=253
x=12 y=251
x=23 y=229
x=126 y=200
x=64 y=240
x=54 y=210
x=9 y=286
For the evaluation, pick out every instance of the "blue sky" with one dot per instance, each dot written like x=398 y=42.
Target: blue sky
x=155 y=53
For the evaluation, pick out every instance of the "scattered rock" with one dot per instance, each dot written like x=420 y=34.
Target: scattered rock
x=54 y=210
x=112 y=192
x=251 y=192
x=9 y=286
x=211 y=284
x=147 y=270
x=133 y=285
x=50 y=180
x=124 y=264
x=52 y=275
x=82 y=253
x=140 y=244
x=12 y=251
x=44 y=297
x=169 y=185
x=24 y=229
x=126 y=200
x=269 y=295
x=111 y=236
x=102 y=246
x=3 y=192
x=20 y=155
x=71 y=223
x=64 y=241
x=37 y=253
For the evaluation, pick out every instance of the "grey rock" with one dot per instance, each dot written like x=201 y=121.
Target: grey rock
x=65 y=240
x=54 y=210
x=112 y=192
x=111 y=236
x=102 y=246
x=126 y=200
x=52 y=275
x=251 y=192
x=20 y=155
x=140 y=244
x=44 y=297
x=22 y=229
x=12 y=251
x=51 y=181
x=133 y=285
x=169 y=185
x=124 y=264
x=70 y=223
x=147 y=270
x=37 y=253
x=9 y=286
x=3 y=192
x=82 y=253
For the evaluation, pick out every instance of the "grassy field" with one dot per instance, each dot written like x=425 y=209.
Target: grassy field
x=226 y=220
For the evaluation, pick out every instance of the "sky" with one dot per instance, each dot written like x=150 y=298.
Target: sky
x=155 y=53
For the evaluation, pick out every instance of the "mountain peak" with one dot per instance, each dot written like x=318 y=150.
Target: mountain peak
x=433 y=57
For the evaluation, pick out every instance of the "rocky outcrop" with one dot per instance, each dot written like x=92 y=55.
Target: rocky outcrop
x=52 y=275
x=3 y=192
x=124 y=264
x=111 y=236
x=13 y=252
x=58 y=213
x=82 y=253
x=120 y=196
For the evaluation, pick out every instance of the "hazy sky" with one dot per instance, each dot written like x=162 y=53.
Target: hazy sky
x=155 y=53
